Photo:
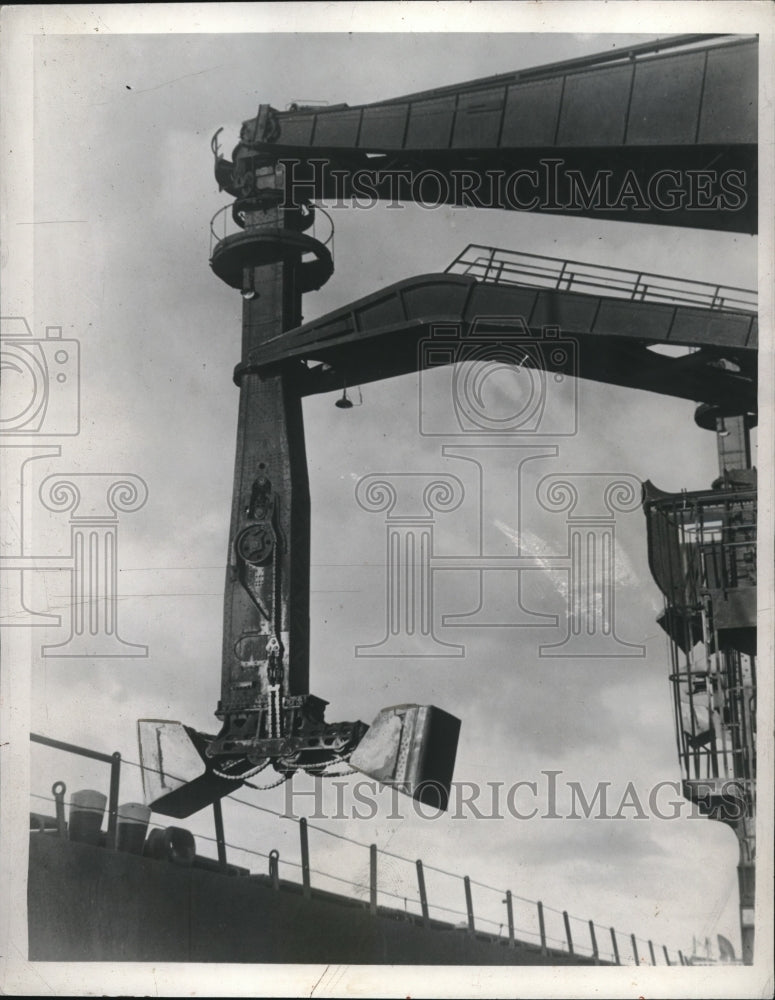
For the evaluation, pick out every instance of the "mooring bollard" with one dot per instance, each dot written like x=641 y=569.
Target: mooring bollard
x=133 y=819
x=174 y=843
x=87 y=807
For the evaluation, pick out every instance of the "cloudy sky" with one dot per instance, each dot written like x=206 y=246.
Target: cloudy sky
x=123 y=194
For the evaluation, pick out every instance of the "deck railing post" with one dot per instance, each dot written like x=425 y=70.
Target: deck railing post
x=274 y=868
x=304 y=837
x=373 y=879
x=681 y=957
x=58 y=790
x=115 y=776
x=469 y=904
x=423 y=893
x=510 y=916
x=653 y=956
x=615 y=947
x=595 y=953
x=220 y=840
x=568 y=936
x=635 y=949
x=667 y=957
x=541 y=926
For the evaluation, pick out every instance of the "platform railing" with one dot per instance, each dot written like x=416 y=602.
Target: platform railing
x=487 y=912
x=114 y=760
x=228 y=221
x=493 y=265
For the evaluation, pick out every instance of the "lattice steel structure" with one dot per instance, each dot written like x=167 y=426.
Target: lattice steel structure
x=702 y=553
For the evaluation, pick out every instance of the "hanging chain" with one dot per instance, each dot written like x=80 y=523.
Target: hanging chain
x=273 y=784
x=244 y=775
x=252 y=773
x=334 y=759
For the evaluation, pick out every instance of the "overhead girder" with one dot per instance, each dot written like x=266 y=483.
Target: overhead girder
x=663 y=133
x=391 y=332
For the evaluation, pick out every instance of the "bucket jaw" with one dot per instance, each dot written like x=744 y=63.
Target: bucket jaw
x=410 y=747
x=178 y=777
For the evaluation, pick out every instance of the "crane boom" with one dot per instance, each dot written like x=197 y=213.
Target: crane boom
x=662 y=133
x=393 y=332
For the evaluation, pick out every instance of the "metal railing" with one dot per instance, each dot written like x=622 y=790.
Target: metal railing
x=114 y=760
x=228 y=221
x=522 y=922
x=493 y=265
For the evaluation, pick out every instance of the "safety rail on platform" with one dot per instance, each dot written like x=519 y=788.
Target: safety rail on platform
x=493 y=265
x=519 y=921
x=231 y=220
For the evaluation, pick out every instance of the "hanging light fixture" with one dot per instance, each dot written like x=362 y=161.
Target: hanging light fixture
x=248 y=288
x=345 y=403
